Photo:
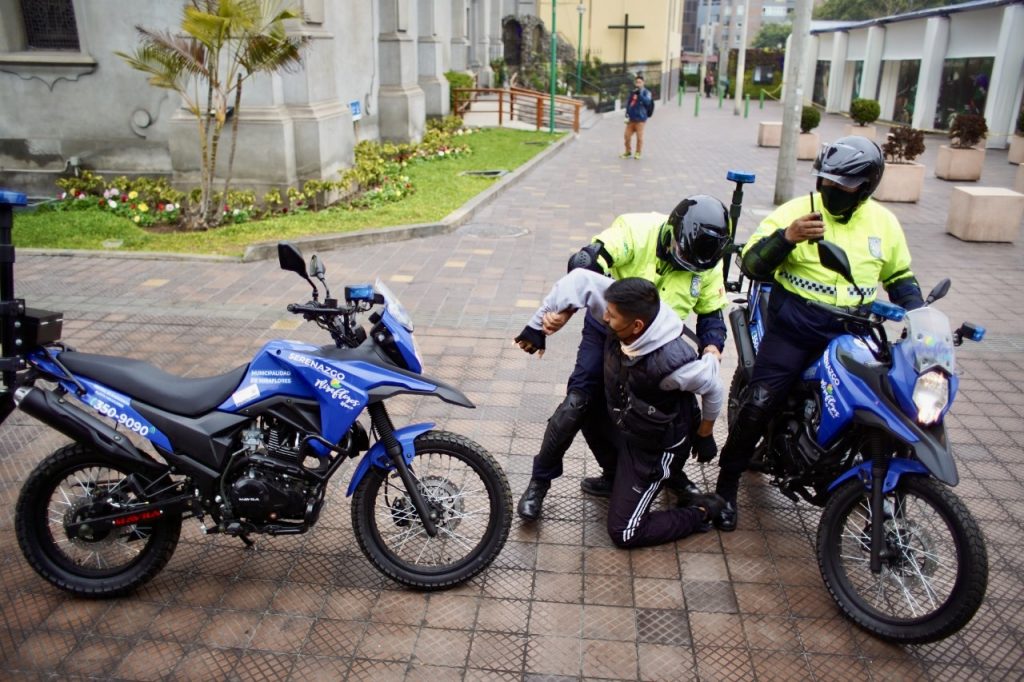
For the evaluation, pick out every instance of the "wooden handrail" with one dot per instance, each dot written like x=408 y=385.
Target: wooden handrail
x=463 y=97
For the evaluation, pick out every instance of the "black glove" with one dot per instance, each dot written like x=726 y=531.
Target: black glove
x=704 y=447
x=533 y=336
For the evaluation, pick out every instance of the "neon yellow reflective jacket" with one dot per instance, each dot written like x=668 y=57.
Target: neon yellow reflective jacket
x=873 y=241
x=632 y=242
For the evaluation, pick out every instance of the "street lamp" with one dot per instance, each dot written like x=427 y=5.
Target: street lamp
x=581 y=10
x=554 y=64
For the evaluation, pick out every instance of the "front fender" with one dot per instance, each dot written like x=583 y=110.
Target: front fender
x=897 y=468
x=377 y=456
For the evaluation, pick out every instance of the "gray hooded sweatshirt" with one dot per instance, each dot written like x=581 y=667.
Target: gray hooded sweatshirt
x=585 y=289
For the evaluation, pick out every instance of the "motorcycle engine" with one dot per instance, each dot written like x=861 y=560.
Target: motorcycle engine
x=794 y=443
x=263 y=496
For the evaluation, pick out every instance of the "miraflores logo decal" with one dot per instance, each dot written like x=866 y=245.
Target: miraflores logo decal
x=336 y=390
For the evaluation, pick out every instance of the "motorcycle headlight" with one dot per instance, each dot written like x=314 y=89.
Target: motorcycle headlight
x=931 y=394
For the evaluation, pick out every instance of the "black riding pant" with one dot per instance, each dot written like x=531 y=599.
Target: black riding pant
x=796 y=334
x=639 y=475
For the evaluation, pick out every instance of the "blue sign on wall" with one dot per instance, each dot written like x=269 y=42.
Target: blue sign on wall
x=356 y=107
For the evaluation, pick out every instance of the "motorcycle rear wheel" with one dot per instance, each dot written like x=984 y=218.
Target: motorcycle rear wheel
x=64 y=487
x=935 y=580
x=463 y=483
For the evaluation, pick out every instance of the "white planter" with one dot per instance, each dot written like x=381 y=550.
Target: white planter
x=985 y=214
x=1018 y=184
x=769 y=133
x=807 y=146
x=901 y=182
x=959 y=164
x=868 y=131
x=1016 y=149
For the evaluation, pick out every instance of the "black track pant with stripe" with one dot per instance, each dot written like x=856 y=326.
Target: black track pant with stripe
x=639 y=475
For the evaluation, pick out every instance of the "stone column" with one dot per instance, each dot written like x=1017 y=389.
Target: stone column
x=401 y=103
x=872 y=63
x=431 y=45
x=460 y=36
x=495 y=42
x=936 y=40
x=810 y=67
x=1002 y=101
x=887 y=89
x=837 y=72
x=480 y=11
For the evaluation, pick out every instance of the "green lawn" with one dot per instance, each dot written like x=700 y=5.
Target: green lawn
x=439 y=191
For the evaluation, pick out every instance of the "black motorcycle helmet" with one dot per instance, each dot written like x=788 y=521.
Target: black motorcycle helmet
x=696 y=233
x=851 y=161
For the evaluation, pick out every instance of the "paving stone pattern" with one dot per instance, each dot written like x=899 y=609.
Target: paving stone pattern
x=560 y=602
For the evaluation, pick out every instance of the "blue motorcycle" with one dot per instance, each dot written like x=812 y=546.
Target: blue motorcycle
x=250 y=452
x=862 y=435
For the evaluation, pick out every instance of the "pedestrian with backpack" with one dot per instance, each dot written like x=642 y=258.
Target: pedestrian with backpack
x=639 y=108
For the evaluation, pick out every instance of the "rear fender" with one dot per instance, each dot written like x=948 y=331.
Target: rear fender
x=378 y=457
x=897 y=468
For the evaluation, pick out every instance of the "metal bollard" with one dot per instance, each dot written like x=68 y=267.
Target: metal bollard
x=746 y=105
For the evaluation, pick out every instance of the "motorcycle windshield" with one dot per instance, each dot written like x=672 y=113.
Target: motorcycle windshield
x=931 y=340
x=394 y=306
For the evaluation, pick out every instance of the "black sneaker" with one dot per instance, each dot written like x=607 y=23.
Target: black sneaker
x=598 y=486
x=533 y=499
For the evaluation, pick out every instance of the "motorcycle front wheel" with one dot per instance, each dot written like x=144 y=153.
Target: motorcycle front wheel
x=465 y=486
x=936 y=572
x=69 y=487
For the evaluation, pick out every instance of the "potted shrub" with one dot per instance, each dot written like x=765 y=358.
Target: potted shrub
x=864 y=112
x=1017 y=141
x=903 y=178
x=809 y=143
x=963 y=159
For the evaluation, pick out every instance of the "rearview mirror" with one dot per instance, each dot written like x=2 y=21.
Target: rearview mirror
x=290 y=258
x=940 y=290
x=316 y=267
x=834 y=258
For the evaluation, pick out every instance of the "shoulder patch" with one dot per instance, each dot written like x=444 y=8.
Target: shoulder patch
x=875 y=246
x=695 y=286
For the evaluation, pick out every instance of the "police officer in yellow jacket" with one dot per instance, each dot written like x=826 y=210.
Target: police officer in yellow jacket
x=783 y=249
x=680 y=254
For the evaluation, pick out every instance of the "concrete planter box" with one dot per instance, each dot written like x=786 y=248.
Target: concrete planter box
x=769 y=134
x=901 y=182
x=1016 y=149
x=959 y=164
x=1018 y=184
x=868 y=131
x=807 y=146
x=985 y=214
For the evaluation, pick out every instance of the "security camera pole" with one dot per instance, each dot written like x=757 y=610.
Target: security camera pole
x=792 y=100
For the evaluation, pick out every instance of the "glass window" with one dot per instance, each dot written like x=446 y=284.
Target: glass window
x=906 y=90
x=49 y=24
x=858 y=72
x=821 y=73
x=963 y=90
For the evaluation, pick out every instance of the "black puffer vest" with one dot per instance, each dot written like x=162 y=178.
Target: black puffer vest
x=647 y=415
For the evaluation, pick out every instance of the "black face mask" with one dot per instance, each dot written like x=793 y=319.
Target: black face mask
x=838 y=203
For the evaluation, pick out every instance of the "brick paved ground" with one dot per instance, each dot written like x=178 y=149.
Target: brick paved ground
x=560 y=601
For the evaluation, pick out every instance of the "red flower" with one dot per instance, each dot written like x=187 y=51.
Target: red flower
x=284 y=209
x=226 y=208
x=124 y=197
x=159 y=207
x=101 y=202
x=133 y=207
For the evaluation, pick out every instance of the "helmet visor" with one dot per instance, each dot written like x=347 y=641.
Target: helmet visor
x=845 y=181
x=704 y=249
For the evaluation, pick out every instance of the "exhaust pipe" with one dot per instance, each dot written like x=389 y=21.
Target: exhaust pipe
x=744 y=344
x=82 y=427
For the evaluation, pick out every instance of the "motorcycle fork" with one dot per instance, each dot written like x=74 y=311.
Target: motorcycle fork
x=386 y=430
x=876 y=446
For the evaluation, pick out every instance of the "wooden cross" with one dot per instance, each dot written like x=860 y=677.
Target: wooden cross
x=625 y=26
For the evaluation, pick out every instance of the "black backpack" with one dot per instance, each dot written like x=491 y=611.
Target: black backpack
x=650 y=108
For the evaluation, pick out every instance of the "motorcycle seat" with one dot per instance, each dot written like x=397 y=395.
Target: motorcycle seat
x=149 y=384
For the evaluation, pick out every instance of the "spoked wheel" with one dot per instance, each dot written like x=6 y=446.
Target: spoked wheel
x=936 y=572
x=469 y=493
x=70 y=487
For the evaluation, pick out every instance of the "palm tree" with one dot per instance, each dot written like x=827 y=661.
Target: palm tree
x=222 y=44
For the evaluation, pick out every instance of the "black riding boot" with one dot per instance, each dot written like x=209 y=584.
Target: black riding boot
x=562 y=427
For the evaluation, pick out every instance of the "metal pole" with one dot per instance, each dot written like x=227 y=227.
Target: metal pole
x=696 y=105
x=741 y=59
x=580 y=8
x=792 y=100
x=682 y=89
x=554 y=65
x=761 y=105
x=706 y=47
x=746 y=105
x=9 y=310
